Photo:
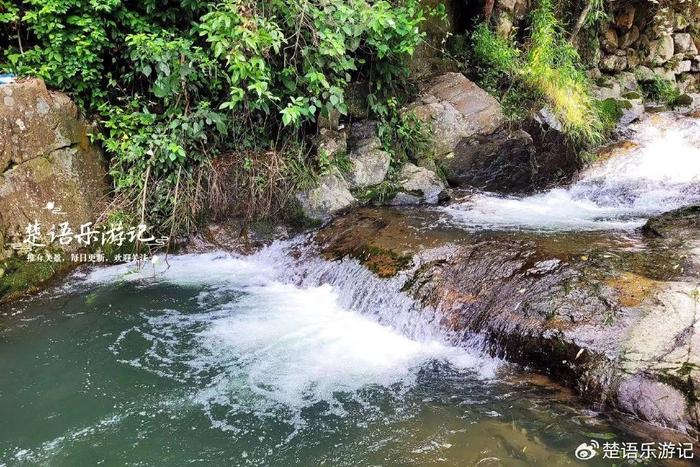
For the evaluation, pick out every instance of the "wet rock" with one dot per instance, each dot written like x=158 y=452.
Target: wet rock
x=632 y=110
x=504 y=161
x=330 y=196
x=457 y=108
x=418 y=185
x=653 y=401
x=617 y=323
x=45 y=157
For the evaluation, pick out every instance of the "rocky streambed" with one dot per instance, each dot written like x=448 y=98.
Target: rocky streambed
x=575 y=281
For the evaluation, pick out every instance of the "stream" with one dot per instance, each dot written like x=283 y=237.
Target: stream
x=285 y=358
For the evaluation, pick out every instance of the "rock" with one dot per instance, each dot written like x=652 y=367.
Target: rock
x=624 y=18
x=613 y=63
x=627 y=82
x=633 y=59
x=695 y=64
x=425 y=62
x=370 y=163
x=609 y=90
x=653 y=401
x=594 y=73
x=368 y=168
x=504 y=25
x=457 y=108
x=504 y=161
x=629 y=38
x=616 y=324
x=661 y=50
x=418 y=184
x=680 y=22
x=46 y=157
x=644 y=74
x=330 y=143
x=330 y=196
x=329 y=121
x=684 y=45
x=682 y=66
x=506 y=5
x=688 y=82
x=610 y=40
x=632 y=110
x=665 y=74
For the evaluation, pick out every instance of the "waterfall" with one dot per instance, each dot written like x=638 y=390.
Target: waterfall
x=283 y=328
x=660 y=172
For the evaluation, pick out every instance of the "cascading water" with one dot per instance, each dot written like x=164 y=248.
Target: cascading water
x=284 y=358
x=307 y=329
x=279 y=358
x=660 y=174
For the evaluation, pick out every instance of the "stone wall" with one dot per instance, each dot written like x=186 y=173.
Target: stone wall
x=653 y=40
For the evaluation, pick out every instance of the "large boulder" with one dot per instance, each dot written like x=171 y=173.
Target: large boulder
x=457 y=108
x=49 y=171
x=476 y=147
x=504 y=161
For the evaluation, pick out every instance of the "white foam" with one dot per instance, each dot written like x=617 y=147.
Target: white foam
x=660 y=174
x=299 y=331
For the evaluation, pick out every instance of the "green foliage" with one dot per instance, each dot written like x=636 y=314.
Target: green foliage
x=610 y=111
x=17 y=275
x=380 y=193
x=497 y=58
x=178 y=84
x=548 y=71
x=661 y=90
x=404 y=135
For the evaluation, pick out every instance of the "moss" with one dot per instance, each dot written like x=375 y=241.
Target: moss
x=21 y=276
x=633 y=96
